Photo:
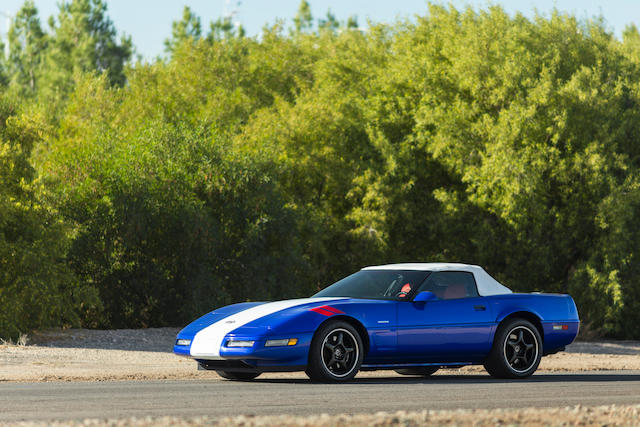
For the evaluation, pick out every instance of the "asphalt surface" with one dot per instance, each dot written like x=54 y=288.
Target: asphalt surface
x=80 y=400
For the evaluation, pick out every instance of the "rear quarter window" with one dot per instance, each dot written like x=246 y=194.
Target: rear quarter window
x=451 y=284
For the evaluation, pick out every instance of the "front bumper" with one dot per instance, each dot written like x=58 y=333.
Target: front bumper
x=256 y=356
x=245 y=366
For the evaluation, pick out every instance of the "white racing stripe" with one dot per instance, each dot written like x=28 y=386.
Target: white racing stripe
x=206 y=343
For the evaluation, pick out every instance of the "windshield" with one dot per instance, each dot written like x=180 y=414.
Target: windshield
x=376 y=284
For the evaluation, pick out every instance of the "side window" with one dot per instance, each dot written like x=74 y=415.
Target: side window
x=451 y=285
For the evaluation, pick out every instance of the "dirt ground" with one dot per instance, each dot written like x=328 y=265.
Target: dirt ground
x=90 y=355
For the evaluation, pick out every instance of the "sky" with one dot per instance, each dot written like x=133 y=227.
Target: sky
x=148 y=22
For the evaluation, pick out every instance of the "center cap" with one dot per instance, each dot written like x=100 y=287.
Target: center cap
x=338 y=353
x=517 y=349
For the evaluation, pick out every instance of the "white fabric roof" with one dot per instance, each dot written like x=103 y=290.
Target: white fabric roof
x=487 y=285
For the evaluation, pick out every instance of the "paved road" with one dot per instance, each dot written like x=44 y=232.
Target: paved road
x=78 y=400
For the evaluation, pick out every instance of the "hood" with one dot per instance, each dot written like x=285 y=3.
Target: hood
x=209 y=333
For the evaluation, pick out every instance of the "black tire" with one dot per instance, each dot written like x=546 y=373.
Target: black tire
x=238 y=376
x=336 y=353
x=516 y=351
x=425 y=371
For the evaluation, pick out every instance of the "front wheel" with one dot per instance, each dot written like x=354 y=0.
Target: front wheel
x=426 y=371
x=516 y=351
x=336 y=353
x=238 y=376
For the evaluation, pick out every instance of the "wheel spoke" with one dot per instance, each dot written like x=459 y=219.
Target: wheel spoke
x=523 y=340
x=339 y=352
x=331 y=361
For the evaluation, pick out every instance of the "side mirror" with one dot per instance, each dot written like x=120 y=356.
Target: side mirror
x=425 y=296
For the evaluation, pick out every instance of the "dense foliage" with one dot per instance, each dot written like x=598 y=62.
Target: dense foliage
x=244 y=168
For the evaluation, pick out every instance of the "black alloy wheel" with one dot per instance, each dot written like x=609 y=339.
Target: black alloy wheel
x=516 y=351
x=335 y=353
x=339 y=352
x=520 y=349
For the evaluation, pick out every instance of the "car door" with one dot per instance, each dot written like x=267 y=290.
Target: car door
x=455 y=327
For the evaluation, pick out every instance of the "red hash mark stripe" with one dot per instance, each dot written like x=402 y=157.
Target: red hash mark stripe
x=327 y=310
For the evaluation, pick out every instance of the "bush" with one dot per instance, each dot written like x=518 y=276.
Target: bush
x=37 y=286
x=265 y=168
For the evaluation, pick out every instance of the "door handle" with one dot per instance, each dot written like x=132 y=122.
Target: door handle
x=479 y=307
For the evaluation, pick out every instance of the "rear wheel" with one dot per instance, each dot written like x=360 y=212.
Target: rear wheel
x=238 y=376
x=516 y=351
x=419 y=372
x=336 y=353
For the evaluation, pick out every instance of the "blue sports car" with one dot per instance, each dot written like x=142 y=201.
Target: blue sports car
x=412 y=318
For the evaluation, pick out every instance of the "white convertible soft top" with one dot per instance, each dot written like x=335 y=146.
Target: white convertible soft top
x=487 y=285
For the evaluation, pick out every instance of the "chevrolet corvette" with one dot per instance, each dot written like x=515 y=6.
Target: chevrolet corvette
x=411 y=318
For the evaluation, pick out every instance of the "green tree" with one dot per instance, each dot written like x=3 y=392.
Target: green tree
x=262 y=168
x=83 y=40
x=37 y=286
x=329 y=22
x=223 y=28
x=4 y=78
x=186 y=29
x=352 y=22
x=303 y=21
x=170 y=219
x=27 y=44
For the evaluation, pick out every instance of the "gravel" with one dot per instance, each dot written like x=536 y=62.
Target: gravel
x=570 y=416
x=162 y=339
x=127 y=354
x=145 y=354
x=605 y=347
x=150 y=339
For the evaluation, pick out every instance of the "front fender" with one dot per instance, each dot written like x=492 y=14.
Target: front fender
x=297 y=320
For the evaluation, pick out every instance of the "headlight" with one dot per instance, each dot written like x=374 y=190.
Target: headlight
x=232 y=343
x=281 y=343
x=183 y=342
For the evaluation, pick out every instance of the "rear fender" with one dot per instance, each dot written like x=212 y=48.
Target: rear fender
x=523 y=313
